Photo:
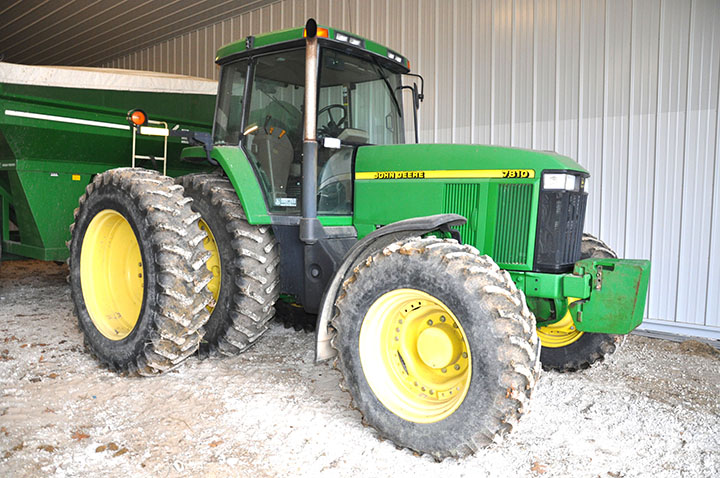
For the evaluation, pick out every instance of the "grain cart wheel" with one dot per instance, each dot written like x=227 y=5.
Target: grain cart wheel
x=566 y=349
x=436 y=346
x=244 y=266
x=137 y=271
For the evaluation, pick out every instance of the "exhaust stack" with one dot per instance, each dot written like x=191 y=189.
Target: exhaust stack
x=310 y=228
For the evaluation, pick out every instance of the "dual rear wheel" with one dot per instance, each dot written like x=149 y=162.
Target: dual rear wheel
x=137 y=271
x=159 y=272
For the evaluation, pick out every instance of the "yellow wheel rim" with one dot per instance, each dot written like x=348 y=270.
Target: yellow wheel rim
x=415 y=356
x=213 y=264
x=111 y=274
x=561 y=333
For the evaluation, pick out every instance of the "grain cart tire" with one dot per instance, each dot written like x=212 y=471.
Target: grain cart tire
x=137 y=271
x=244 y=265
x=569 y=350
x=436 y=346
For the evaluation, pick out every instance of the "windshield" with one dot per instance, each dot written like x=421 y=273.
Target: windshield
x=359 y=101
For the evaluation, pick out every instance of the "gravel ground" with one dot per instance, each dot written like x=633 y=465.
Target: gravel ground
x=653 y=410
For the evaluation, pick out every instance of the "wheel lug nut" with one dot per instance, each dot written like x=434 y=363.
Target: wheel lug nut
x=444 y=370
x=430 y=322
x=442 y=318
x=396 y=339
x=464 y=355
x=457 y=367
x=432 y=391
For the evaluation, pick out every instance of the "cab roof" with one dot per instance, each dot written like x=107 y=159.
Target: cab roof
x=325 y=34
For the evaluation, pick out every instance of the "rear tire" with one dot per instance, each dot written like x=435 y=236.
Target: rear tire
x=137 y=271
x=436 y=346
x=588 y=348
x=245 y=266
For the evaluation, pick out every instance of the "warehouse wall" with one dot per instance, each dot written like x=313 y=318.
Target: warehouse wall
x=628 y=88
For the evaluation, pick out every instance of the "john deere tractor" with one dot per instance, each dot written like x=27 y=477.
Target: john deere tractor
x=433 y=269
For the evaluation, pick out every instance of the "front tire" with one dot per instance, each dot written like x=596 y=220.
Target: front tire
x=436 y=346
x=137 y=271
x=566 y=349
x=244 y=265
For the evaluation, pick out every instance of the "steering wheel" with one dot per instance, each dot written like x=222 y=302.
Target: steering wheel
x=333 y=128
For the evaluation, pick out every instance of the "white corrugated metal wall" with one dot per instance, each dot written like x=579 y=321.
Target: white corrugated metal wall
x=628 y=88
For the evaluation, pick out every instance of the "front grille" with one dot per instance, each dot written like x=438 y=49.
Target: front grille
x=463 y=199
x=561 y=215
x=512 y=226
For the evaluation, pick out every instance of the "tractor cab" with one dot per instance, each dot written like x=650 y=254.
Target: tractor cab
x=261 y=105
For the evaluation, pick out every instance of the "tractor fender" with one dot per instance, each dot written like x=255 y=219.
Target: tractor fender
x=368 y=245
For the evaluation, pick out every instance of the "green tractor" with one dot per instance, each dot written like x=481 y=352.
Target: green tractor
x=441 y=275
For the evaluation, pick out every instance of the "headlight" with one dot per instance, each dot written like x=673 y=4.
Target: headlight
x=560 y=181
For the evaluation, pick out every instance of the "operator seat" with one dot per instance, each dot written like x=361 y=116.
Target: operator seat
x=274 y=153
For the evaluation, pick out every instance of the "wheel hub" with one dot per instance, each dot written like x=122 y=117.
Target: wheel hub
x=436 y=348
x=415 y=355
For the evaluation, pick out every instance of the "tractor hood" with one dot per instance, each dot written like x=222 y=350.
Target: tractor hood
x=422 y=158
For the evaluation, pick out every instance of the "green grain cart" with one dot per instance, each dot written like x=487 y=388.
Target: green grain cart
x=433 y=269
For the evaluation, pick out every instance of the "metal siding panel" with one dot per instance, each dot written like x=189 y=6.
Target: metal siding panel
x=482 y=75
x=501 y=127
x=567 y=85
x=426 y=67
x=176 y=55
x=237 y=33
x=522 y=74
x=444 y=109
x=643 y=121
x=461 y=84
x=614 y=149
x=265 y=20
x=364 y=18
x=327 y=11
x=377 y=22
x=317 y=9
x=276 y=19
x=225 y=35
x=186 y=52
x=699 y=156
x=196 y=45
x=672 y=85
x=394 y=27
x=712 y=318
x=287 y=14
x=298 y=12
x=592 y=70
x=409 y=38
x=246 y=28
x=544 y=66
x=156 y=58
